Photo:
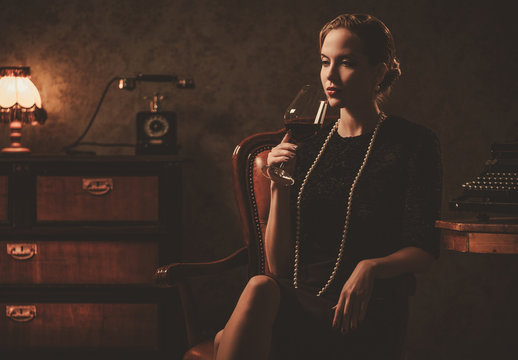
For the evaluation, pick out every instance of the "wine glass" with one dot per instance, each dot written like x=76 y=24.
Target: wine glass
x=303 y=117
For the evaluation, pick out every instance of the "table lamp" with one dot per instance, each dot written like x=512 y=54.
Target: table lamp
x=20 y=102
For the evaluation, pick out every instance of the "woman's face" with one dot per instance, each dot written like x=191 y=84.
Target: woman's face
x=347 y=77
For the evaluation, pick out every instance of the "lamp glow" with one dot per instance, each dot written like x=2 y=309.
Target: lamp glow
x=20 y=102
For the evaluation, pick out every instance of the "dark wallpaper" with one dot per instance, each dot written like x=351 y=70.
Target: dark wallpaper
x=248 y=59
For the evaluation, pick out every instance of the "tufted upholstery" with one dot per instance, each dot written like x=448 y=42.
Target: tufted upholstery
x=252 y=191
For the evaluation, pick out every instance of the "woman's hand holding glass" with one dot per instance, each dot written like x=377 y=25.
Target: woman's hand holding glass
x=282 y=154
x=302 y=118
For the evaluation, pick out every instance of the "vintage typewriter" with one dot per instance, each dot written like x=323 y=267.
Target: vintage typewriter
x=495 y=190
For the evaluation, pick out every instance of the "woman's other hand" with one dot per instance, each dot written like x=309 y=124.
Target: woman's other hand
x=354 y=298
x=283 y=153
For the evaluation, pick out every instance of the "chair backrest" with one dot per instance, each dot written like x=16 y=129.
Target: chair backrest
x=252 y=191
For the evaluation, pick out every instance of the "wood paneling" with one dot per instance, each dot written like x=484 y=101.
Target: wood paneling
x=67 y=325
x=62 y=198
x=81 y=262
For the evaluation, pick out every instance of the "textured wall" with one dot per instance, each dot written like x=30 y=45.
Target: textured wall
x=248 y=59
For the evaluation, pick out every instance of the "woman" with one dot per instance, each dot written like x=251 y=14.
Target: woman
x=343 y=243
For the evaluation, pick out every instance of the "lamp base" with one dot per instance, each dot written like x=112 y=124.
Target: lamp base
x=16 y=135
x=15 y=150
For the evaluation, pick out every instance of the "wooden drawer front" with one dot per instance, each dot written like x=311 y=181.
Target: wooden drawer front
x=76 y=198
x=78 y=325
x=81 y=262
x=3 y=198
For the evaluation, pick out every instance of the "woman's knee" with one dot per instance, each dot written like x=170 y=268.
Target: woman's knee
x=264 y=288
x=217 y=341
x=217 y=338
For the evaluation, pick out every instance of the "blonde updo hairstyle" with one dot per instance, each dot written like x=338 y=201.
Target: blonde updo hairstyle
x=378 y=45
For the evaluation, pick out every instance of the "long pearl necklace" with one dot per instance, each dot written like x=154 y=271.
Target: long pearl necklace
x=382 y=117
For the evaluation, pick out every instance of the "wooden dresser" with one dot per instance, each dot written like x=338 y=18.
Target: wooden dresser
x=80 y=240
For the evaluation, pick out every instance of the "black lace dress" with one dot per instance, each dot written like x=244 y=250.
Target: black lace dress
x=396 y=202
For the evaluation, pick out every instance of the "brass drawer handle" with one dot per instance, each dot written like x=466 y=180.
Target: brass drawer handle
x=21 y=313
x=98 y=187
x=22 y=251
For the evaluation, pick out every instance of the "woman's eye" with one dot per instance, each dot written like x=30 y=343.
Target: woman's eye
x=348 y=63
x=324 y=62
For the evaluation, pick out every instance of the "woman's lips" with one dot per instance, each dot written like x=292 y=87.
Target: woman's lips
x=332 y=91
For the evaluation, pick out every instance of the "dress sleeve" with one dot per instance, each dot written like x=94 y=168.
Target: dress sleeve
x=422 y=197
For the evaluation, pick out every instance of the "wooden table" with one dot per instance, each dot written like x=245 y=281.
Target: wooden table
x=496 y=236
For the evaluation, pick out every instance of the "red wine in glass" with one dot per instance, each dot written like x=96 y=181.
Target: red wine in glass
x=304 y=117
x=301 y=131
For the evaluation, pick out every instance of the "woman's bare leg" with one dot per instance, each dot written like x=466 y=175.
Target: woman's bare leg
x=248 y=332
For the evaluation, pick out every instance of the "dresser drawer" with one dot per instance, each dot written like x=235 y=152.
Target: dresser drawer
x=66 y=325
x=112 y=198
x=79 y=262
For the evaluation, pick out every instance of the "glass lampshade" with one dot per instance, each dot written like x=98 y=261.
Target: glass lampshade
x=18 y=90
x=19 y=97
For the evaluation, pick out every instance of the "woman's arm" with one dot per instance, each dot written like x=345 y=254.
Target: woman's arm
x=407 y=260
x=278 y=244
x=419 y=238
x=278 y=237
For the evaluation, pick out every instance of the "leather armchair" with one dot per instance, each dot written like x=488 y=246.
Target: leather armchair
x=252 y=192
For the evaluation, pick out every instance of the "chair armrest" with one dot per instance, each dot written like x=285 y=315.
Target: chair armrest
x=173 y=273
